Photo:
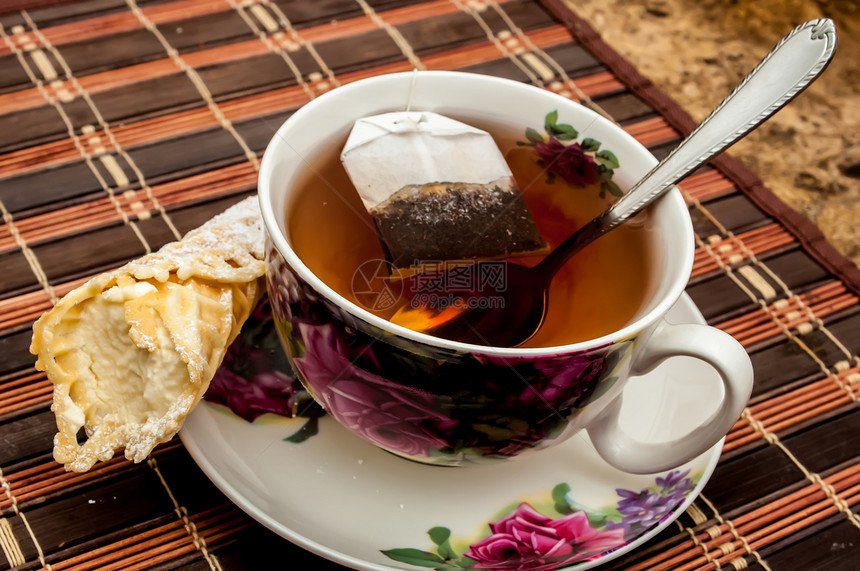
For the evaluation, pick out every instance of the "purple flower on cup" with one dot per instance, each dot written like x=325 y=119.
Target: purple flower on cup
x=526 y=539
x=389 y=414
x=567 y=161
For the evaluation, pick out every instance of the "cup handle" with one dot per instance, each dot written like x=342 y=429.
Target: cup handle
x=715 y=347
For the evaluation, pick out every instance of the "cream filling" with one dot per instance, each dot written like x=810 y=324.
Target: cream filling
x=122 y=381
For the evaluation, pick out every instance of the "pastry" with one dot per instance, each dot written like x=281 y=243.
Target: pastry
x=131 y=352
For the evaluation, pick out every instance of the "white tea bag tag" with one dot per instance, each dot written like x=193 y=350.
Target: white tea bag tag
x=388 y=152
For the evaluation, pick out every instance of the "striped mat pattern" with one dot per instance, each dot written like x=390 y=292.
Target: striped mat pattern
x=125 y=123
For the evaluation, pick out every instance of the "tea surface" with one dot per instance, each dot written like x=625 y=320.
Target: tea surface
x=597 y=292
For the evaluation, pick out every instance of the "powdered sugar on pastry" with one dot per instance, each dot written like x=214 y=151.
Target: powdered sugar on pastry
x=131 y=352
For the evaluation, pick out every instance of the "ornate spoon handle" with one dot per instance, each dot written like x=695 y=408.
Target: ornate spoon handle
x=792 y=65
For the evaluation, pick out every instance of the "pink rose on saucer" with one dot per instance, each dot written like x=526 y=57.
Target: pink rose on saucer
x=526 y=539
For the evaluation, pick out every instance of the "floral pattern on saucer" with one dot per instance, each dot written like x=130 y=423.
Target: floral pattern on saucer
x=556 y=532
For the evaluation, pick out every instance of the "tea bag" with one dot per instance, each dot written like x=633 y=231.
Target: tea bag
x=437 y=189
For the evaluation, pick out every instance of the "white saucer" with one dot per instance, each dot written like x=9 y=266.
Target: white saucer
x=346 y=500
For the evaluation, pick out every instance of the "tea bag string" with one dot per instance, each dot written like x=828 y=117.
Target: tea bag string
x=426 y=156
x=411 y=89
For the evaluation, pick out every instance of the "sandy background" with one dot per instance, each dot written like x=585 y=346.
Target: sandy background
x=699 y=50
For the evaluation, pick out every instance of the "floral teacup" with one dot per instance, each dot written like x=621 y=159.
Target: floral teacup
x=442 y=402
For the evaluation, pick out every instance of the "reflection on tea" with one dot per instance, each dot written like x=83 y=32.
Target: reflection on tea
x=599 y=291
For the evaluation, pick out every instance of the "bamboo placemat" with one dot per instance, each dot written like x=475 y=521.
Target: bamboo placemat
x=125 y=123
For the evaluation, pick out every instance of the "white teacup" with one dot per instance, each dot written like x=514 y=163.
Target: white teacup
x=442 y=402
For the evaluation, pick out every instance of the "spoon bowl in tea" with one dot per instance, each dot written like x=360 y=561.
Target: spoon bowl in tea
x=509 y=316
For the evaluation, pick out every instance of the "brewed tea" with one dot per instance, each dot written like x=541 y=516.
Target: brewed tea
x=599 y=291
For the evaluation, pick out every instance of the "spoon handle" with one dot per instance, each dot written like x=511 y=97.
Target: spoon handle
x=792 y=65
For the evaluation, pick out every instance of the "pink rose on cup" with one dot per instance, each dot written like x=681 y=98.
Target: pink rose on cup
x=526 y=539
x=578 y=163
x=382 y=415
x=567 y=161
x=380 y=410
